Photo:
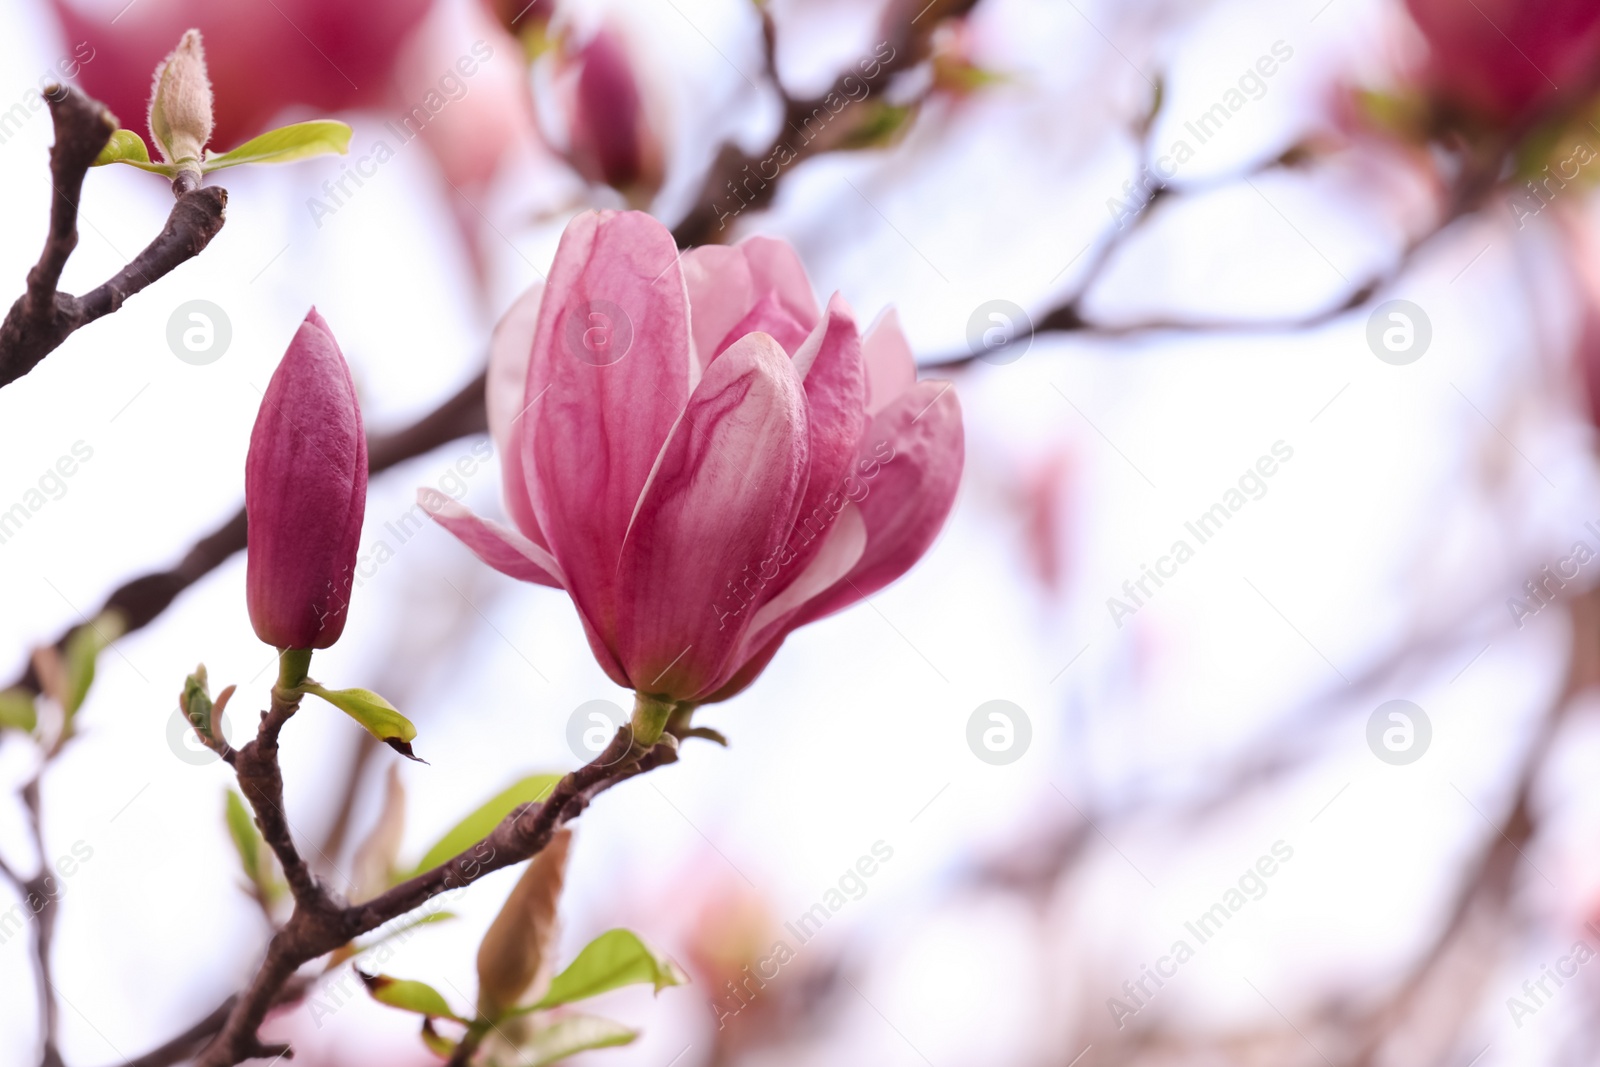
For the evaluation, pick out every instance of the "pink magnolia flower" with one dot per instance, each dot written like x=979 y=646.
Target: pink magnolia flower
x=702 y=458
x=1503 y=59
x=305 y=490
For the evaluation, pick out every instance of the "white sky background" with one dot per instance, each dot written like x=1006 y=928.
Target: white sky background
x=1403 y=515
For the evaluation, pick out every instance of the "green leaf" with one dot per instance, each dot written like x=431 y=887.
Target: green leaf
x=573 y=1034
x=381 y=718
x=247 y=839
x=614 y=959
x=436 y=1042
x=17 y=711
x=286 y=144
x=128 y=147
x=84 y=646
x=879 y=125
x=475 y=827
x=407 y=995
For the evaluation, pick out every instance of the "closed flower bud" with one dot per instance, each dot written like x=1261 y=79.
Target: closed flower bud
x=611 y=139
x=180 y=102
x=305 y=490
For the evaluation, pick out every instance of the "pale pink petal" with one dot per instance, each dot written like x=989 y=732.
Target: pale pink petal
x=841 y=550
x=611 y=371
x=718 y=507
x=514 y=556
x=910 y=464
x=829 y=363
x=769 y=627
x=505 y=550
x=510 y=348
x=891 y=366
x=725 y=283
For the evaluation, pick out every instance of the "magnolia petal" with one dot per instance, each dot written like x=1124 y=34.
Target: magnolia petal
x=725 y=283
x=514 y=556
x=510 y=349
x=841 y=550
x=505 y=550
x=770 y=317
x=829 y=362
x=891 y=366
x=611 y=373
x=910 y=462
x=718 y=505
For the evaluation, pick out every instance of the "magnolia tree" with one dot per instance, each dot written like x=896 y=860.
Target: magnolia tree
x=698 y=451
x=686 y=443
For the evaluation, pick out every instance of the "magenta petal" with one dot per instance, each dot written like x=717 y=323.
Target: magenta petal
x=510 y=350
x=718 y=507
x=772 y=318
x=610 y=374
x=305 y=489
x=726 y=283
x=910 y=462
x=505 y=550
x=891 y=366
x=829 y=362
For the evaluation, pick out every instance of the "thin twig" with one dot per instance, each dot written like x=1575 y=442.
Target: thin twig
x=42 y=316
x=322 y=922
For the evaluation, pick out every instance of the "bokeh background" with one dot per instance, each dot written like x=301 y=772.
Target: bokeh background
x=1412 y=906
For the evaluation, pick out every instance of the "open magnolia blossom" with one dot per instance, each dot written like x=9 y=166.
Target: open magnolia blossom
x=702 y=458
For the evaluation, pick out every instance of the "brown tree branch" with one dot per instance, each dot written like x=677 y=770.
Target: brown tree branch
x=322 y=921
x=735 y=181
x=42 y=316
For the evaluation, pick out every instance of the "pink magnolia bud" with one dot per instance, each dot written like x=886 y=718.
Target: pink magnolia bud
x=1506 y=59
x=305 y=490
x=610 y=139
x=700 y=456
